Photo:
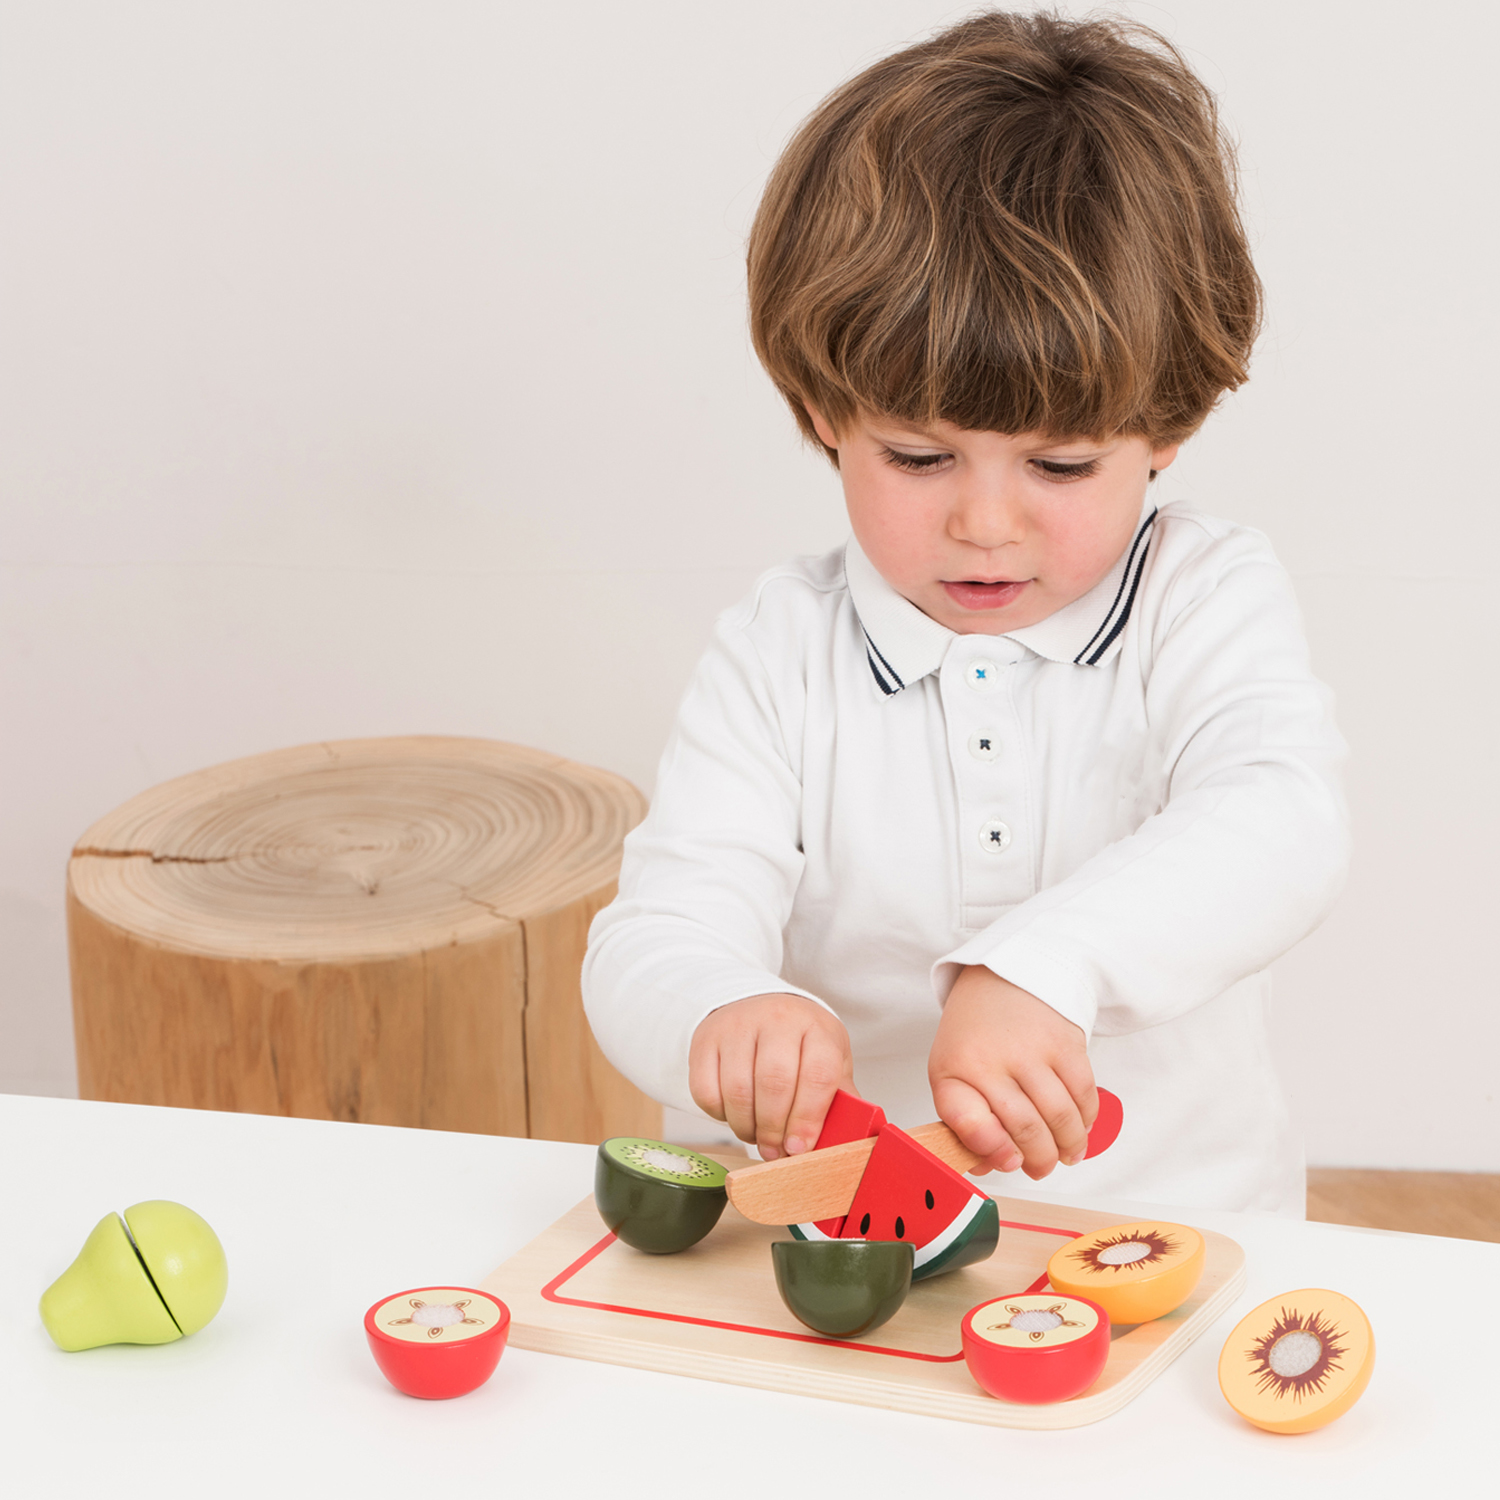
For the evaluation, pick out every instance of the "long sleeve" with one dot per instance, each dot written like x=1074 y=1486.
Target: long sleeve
x=1249 y=845
x=708 y=879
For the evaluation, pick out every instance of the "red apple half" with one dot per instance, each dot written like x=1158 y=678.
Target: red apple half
x=1036 y=1348
x=438 y=1341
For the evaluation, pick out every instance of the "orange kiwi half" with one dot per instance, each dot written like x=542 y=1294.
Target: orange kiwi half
x=1298 y=1361
x=1135 y=1272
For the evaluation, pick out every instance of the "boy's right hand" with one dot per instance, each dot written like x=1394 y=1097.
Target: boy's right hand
x=1011 y=1077
x=769 y=1066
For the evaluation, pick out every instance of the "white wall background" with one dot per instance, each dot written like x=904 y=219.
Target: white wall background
x=379 y=367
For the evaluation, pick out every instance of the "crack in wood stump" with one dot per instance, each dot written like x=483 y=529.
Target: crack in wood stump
x=158 y=859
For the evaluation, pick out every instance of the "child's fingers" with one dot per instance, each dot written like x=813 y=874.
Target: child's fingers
x=703 y=1075
x=969 y=1115
x=736 y=1060
x=746 y=1063
x=1078 y=1078
x=1056 y=1108
x=1023 y=1122
x=778 y=1058
x=825 y=1067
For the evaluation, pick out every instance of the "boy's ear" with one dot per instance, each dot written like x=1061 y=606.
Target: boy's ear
x=826 y=435
x=1161 y=457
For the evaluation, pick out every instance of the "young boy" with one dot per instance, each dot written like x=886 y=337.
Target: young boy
x=1029 y=783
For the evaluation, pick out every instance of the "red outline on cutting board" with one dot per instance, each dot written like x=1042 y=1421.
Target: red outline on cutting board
x=550 y=1293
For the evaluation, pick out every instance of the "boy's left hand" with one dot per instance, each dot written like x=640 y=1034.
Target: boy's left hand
x=1011 y=1077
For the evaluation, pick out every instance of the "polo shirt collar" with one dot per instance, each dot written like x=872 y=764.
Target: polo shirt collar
x=903 y=645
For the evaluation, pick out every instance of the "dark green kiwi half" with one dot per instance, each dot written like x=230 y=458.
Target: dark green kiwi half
x=843 y=1288
x=657 y=1197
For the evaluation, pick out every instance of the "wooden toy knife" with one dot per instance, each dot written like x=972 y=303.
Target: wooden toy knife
x=822 y=1184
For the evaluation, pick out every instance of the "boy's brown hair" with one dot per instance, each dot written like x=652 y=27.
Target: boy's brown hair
x=1025 y=224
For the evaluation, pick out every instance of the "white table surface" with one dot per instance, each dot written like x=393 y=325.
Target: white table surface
x=279 y=1396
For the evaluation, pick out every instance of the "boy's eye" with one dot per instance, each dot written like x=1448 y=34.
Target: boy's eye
x=924 y=463
x=1055 y=470
x=914 y=463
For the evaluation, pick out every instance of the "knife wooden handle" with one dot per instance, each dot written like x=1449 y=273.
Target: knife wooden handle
x=822 y=1184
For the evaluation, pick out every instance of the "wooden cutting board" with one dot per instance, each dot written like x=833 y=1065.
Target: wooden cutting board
x=714 y=1312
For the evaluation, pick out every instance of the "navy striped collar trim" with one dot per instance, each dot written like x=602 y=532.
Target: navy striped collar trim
x=902 y=645
x=1124 y=601
x=886 y=676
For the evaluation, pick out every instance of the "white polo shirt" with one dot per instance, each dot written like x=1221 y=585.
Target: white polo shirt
x=1129 y=809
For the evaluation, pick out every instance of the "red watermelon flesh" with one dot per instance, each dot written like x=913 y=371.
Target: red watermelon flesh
x=849 y=1118
x=907 y=1193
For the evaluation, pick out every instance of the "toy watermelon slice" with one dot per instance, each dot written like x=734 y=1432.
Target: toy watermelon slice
x=849 y=1118
x=907 y=1193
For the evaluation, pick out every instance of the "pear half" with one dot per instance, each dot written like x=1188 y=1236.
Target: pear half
x=185 y=1259
x=164 y=1276
x=105 y=1296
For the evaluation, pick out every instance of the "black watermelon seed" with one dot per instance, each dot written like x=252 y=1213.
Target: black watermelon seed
x=864 y=1224
x=929 y=1198
x=900 y=1230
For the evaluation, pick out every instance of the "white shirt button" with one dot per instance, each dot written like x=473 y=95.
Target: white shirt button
x=994 y=836
x=982 y=675
x=984 y=744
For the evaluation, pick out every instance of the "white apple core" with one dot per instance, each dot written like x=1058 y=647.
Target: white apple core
x=446 y=1315
x=1126 y=1253
x=1037 y=1321
x=1295 y=1354
x=437 y=1315
x=1033 y=1321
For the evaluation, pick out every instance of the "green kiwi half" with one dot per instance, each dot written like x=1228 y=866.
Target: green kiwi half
x=657 y=1197
x=843 y=1288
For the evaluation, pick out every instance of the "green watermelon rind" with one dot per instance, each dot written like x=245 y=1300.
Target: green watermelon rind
x=971 y=1238
x=809 y=1232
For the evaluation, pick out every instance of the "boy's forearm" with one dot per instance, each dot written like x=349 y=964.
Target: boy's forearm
x=707 y=881
x=1214 y=888
x=1247 y=848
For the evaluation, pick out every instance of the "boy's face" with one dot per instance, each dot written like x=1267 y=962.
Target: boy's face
x=985 y=532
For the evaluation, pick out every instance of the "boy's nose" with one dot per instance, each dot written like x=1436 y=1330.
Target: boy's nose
x=987 y=516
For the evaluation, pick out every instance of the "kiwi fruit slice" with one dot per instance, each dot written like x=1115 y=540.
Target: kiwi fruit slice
x=657 y=1197
x=843 y=1288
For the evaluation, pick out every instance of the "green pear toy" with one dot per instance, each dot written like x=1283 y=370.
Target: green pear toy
x=152 y=1278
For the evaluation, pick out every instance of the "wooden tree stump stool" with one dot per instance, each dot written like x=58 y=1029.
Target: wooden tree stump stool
x=380 y=930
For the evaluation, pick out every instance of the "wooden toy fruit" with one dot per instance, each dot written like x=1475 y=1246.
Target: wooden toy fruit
x=907 y=1193
x=843 y=1288
x=149 y=1279
x=1297 y=1361
x=1036 y=1348
x=438 y=1341
x=1135 y=1272
x=657 y=1197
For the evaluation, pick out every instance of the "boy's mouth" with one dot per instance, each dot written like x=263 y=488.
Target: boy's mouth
x=971 y=593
